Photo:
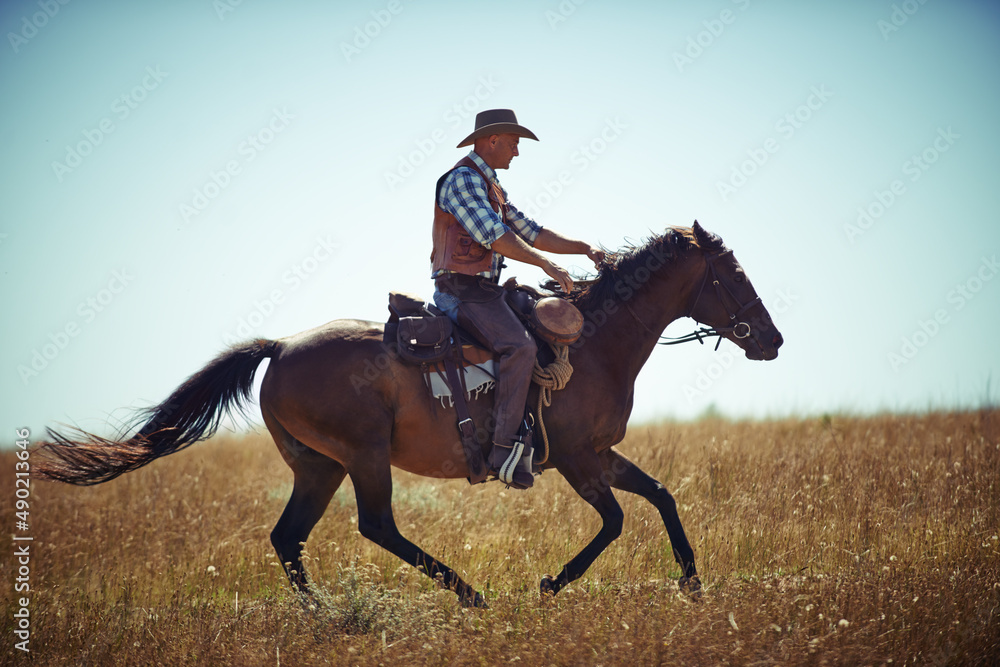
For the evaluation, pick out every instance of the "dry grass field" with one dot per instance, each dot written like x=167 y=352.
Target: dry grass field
x=820 y=541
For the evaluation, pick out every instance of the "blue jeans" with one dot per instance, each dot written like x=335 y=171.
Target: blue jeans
x=447 y=303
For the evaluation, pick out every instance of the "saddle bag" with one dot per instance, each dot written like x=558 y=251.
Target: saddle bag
x=423 y=340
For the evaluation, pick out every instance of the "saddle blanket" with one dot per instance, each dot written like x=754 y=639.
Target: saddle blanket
x=479 y=379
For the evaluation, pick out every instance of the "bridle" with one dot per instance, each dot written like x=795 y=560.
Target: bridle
x=740 y=328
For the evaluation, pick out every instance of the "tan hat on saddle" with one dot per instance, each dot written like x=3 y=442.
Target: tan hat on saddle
x=496 y=121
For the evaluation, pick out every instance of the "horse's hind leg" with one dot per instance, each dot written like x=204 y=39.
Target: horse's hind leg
x=373 y=487
x=317 y=478
x=627 y=476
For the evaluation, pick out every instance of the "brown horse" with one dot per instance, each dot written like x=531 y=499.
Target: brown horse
x=338 y=402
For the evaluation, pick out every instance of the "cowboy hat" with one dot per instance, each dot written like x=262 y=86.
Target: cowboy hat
x=496 y=121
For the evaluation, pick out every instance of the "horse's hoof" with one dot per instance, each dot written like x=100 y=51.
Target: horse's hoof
x=305 y=597
x=548 y=586
x=475 y=600
x=691 y=586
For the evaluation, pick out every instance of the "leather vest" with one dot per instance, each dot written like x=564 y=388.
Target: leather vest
x=454 y=250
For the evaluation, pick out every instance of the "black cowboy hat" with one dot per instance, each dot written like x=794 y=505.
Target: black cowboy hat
x=497 y=121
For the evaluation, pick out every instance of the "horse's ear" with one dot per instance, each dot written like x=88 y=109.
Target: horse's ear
x=706 y=239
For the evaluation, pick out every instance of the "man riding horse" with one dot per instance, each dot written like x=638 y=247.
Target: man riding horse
x=471 y=235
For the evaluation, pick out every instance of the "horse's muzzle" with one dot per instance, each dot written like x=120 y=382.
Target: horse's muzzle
x=771 y=352
x=758 y=349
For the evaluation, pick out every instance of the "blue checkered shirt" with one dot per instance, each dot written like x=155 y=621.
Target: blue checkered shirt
x=463 y=194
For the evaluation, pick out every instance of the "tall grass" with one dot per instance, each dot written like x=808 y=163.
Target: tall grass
x=834 y=540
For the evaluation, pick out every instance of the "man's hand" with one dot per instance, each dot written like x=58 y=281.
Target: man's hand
x=596 y=256
x=560 y=275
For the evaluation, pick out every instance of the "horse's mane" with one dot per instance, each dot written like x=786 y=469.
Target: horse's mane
x=627 y=262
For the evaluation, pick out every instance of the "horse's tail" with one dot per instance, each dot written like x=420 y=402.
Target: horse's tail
x=190 y=414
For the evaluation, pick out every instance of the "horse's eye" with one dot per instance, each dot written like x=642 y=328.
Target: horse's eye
x=740 y=278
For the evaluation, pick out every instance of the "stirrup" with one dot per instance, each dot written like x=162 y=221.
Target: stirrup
x=527 y=463
x=506 y=472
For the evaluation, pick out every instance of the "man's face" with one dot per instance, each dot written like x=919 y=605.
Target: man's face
x=504 y=150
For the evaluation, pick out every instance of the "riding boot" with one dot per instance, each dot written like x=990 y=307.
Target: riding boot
x=507 y=463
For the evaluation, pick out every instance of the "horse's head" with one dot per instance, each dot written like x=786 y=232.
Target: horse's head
x=726 y=301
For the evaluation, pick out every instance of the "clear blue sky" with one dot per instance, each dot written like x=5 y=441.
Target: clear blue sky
x=177 y=175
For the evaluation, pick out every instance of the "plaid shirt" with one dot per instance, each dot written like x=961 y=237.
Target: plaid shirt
x=463 y=194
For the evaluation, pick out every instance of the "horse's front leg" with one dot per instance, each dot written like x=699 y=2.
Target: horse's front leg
x=585 y=475
x=627 y=476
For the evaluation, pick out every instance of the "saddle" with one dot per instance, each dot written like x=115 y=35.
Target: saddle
x=425 y=336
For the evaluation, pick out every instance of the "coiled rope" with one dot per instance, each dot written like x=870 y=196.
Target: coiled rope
x=551 y=378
